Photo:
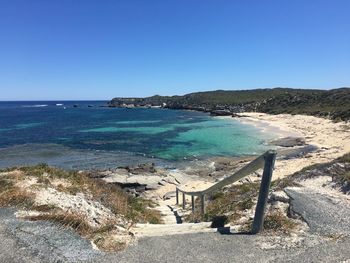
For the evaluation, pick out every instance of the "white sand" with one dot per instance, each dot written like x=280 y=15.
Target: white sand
x=333 y=139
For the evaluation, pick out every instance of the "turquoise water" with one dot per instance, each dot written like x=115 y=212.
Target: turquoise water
x=215 y=137
x=154 y=133
x=138 y=129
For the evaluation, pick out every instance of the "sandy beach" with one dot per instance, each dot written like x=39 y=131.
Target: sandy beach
x=332 y=139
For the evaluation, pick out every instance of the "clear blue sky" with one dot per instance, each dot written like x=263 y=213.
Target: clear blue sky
x=84 y=49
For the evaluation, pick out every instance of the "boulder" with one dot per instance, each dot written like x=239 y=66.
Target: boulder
x=279 y=196
x=289 y=142
x=221 y=113
x=142 y=168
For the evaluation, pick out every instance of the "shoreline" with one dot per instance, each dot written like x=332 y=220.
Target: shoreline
x=332 y=139
x=264 y=126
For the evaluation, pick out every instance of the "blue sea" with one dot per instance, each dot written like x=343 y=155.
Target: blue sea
x=87 y=135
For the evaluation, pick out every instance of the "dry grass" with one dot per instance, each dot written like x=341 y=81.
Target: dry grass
x=235 y=200
x=282 y=183
x=229 y=203
x=105 y=238
x=338 y=169
x=345 y=158
x=74 y=221
x=277 y=222
x=109 y=195
x=44 y=208
x=343 y=178
x=109 y=243
x=16 y=197
x=11 y=195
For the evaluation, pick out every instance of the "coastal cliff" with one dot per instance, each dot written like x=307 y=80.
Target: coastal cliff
x=333 y=104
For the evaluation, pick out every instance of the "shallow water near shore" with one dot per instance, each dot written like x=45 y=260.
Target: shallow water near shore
x=88 y=134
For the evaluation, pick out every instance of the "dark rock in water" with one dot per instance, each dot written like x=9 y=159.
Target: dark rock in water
x=221 y=113
x=75 y=106
x=142 y=168
x=289 y=142
x=296 y=152
x=235 y=115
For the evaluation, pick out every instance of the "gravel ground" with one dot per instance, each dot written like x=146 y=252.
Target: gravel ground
x=26 y=241
x=214 y=247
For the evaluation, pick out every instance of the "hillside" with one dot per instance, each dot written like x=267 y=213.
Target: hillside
x=334 y=104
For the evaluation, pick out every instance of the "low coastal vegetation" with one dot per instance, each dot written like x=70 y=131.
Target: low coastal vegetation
x=235 y=205
x=278 y=222
x=232 y=202
x=338 y=170
x=333 y=104
x=99 y=211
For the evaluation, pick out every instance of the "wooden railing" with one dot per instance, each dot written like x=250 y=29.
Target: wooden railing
x=266 y=161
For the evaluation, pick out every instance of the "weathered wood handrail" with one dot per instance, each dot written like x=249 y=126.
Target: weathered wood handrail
x=266 y=161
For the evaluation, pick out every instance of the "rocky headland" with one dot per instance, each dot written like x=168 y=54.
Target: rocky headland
x=333 y=104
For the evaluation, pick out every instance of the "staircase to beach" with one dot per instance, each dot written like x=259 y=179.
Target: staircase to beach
x=171 y=214
x=172 y=224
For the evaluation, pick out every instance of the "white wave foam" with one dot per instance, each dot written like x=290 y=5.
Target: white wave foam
x=35 y=106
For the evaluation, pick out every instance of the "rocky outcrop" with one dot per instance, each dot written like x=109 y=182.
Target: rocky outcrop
x=221 y=113
x=138 y=179
x=334 y=104
x=141 y=168
x=289 y=142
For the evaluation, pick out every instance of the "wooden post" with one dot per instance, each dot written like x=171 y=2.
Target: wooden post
x=177 y=196
x=258 y=222
x=192 y=201
x=183 y=201
x=202 y=204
